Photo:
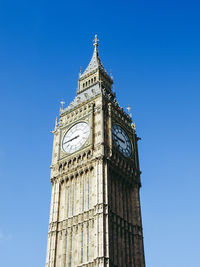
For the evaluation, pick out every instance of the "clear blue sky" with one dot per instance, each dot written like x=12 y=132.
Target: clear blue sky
x=153 y=50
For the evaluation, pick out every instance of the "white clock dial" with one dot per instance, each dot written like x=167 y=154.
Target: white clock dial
x=76 y=137
x=122 y=140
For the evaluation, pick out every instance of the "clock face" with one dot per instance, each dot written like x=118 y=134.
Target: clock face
x=76 y=137
x=122 y=140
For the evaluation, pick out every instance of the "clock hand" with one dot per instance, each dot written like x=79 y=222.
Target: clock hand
x=72 y=139
x=119 y=138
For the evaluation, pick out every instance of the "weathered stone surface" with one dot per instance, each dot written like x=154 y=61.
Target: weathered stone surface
x=95 y=216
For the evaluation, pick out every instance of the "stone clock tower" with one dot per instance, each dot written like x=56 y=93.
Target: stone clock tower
x=95 y=216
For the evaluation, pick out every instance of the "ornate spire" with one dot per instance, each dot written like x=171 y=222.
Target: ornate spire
x=95 y=61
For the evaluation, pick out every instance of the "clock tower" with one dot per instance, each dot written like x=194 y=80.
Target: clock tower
x=95 y=215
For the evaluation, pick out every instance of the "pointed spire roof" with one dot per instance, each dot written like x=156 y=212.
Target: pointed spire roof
x=95 y=61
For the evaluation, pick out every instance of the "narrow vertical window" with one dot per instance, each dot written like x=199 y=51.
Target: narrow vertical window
x=66 y=253
x=82 y=246
x=83 y=184
x=88 y=243
x=88 y=193
x=68 y=202
x=73 y=200
x=71 y=249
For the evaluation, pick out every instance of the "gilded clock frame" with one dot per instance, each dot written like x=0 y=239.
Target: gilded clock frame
x=129 y=133
x=89 y=142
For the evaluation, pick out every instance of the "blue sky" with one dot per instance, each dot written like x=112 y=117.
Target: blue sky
x=152 y=48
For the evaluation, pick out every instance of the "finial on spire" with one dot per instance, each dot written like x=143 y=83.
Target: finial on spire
x=62 y=102
x=129 y=109
x=96 y=41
